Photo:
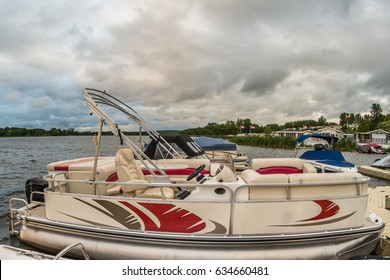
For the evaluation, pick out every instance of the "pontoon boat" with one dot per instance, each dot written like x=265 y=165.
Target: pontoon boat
x=129 y=206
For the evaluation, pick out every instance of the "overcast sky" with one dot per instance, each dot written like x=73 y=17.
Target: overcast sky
x=182 y=64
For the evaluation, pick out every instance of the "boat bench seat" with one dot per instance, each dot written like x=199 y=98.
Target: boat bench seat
x=303 y=186
x=282 y=166
x=252 y=177
x=82 y=169
x=320 y=184
x=276 y=191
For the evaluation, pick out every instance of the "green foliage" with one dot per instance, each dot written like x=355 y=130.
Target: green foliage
x=307 y=123
x=285 y=142
x=366 y=122
x=214 y=129
x=385 y=125
x=347 y=145
x=267 y=141
x=20 y=132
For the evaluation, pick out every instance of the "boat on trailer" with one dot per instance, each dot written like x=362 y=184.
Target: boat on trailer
x=129 y=206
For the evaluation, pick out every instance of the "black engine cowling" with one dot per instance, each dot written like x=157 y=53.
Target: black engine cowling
x=36 y=184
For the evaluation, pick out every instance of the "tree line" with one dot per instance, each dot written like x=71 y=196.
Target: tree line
x=349 y=122
x=20 y=132
x=286 y=142
x=246 y=126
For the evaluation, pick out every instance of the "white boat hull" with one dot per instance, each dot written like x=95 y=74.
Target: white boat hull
x=269 y=220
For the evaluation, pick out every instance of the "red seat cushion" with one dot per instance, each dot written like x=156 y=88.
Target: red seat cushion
x=279 y=170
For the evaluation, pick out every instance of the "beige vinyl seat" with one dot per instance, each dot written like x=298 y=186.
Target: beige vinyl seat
x=128 y=170
x=270 y=186
x=299 y=164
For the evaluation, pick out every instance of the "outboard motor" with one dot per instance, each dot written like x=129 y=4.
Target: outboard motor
x=319 y=147
x=36 y=184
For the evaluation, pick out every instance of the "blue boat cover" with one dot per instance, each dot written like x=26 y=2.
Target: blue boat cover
x=214 y=144
x=327 y=157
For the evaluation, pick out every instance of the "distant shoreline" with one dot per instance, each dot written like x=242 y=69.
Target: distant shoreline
x=38 y=132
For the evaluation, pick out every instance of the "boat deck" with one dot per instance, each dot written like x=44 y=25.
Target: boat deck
x=379 y=199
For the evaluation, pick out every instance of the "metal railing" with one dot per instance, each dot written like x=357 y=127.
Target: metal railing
x=233 y=187
x=70 y=248
x=17 y=215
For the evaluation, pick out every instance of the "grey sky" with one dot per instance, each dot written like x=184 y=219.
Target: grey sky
x=183 y=64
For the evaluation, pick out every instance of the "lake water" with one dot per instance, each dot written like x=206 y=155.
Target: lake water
x=26 y=157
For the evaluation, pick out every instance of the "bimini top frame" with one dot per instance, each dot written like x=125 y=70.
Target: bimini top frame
x=96 y=98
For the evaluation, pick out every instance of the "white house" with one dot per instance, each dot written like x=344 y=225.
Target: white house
x=332 y=131
x=292 y=133
x=377 y=136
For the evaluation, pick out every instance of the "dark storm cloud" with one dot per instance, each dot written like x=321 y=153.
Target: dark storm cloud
x=185 y=63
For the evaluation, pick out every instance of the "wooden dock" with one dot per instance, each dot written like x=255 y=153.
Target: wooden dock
x=374 y=172
x=378 y=201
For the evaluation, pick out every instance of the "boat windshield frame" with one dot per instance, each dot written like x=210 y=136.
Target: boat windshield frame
x=95 y=99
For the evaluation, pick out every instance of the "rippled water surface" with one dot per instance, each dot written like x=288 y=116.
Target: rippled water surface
x=26 y=157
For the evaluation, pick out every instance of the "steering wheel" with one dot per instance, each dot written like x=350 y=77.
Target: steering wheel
x=196 y=172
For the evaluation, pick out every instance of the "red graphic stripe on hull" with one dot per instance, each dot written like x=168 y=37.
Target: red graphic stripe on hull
x=328 y=209
x=171 y=220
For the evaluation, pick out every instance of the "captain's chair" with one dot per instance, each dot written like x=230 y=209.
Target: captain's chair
x=129 y=171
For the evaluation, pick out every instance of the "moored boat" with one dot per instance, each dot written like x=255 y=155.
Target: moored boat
x=171 y=146
x=217 y=149
x=324 y=157
x=383 y=163
x=129 y=206
x=370 y=148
